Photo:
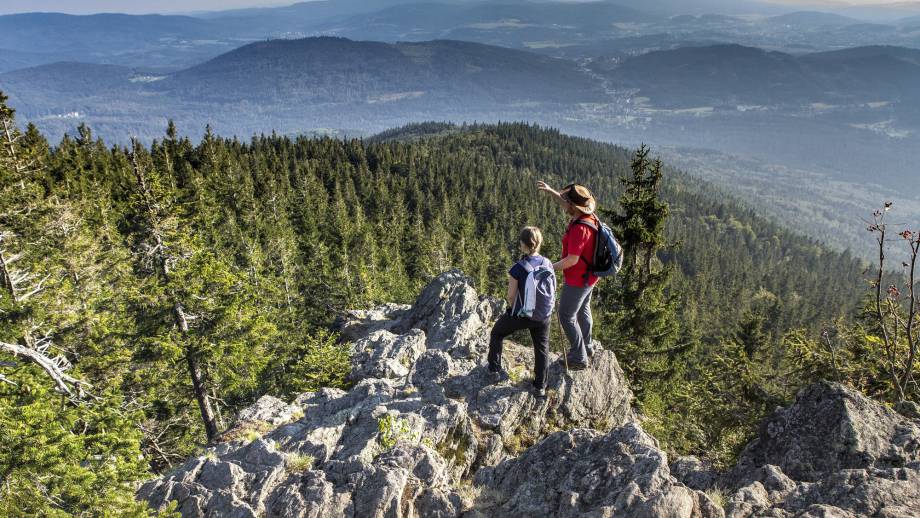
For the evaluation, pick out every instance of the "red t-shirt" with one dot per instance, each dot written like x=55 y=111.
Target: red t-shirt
x=579 y=240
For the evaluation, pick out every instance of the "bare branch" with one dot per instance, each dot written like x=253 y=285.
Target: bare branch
x=54 y=367
x=38 y=287
x=11 y=259
x=912 y=341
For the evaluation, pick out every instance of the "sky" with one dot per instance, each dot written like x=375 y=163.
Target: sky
x=179 y=6
x=131 y=6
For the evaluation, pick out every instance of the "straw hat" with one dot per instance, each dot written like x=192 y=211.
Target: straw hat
x=580 y=197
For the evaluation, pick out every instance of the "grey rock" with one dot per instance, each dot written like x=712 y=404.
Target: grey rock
x=235 y=486
x=356 y=324
x=452 y=315
x=908 y=409
x=694 y=473
x=598 y=398
x=418 y=423
x=308 y=495
x=829 y=428
x=268 y=409
x=832 y=453
x=853 y=492
x=385 y=355
x=586 y=472
x=861 y=492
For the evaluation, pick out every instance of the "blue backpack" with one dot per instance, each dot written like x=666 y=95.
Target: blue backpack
x=539 y=296
x=607 y=259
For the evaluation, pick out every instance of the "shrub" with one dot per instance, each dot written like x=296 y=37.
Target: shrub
x=323 y=362
x=394 y=429
x=298 y=463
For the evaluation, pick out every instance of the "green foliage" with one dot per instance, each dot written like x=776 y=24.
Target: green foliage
x=321 y=361
x=61 y=453
x=642 y=314
x=59 y=459
x=516 y=374
x=250 y=431
x=852 y=353
x=299 y=463
x=392 y=430
x=717 y=496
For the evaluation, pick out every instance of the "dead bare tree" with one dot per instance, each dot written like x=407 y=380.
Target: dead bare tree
x=897 y=311
x=19 y=284
x=37 y=351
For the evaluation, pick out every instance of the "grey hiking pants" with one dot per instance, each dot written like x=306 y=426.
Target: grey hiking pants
x=575 y=317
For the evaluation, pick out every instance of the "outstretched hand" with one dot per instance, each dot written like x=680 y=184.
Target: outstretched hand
x=541 y=185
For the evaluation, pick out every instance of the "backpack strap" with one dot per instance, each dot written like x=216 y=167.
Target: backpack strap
x=586 y=223
x=526 y=264
x=592 y=226
x=596 y=229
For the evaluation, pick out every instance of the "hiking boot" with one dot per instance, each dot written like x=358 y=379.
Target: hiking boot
x=577 y=366
x=498 y=376
x=539 y=393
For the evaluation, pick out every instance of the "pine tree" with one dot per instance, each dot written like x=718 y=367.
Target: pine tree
x=642 y=311
x=196 y=309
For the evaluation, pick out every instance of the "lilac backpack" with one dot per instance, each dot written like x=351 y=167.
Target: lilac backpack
x=539 y=297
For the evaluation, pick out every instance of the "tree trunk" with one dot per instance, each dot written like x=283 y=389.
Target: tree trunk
x=204 y=402
x=194 y=372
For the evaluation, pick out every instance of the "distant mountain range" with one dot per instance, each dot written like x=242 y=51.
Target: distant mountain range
x=164 y=41
x=578 y=29
x=913 y=21
x=513 y=22
x=559 y=28
x=813 y=19
x=337 y=70
x=818 y=107
x=287 y=84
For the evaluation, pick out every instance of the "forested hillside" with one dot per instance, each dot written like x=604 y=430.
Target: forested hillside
x=183 y=281
x=338 y=70
x=726 y=76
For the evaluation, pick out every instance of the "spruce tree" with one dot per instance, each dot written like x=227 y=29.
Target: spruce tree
x=642 y=310
x=195 y=309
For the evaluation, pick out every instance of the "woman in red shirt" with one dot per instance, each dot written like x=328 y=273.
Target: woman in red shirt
x=577 y=252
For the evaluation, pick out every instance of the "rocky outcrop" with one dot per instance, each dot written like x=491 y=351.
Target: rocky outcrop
x=833 y=452
x=423 y=432
x=588 y=473
x=421 y=419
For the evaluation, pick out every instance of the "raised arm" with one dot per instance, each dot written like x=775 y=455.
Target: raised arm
x=541 y=185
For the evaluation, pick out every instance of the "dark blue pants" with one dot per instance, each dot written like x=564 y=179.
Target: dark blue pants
x=539 y=333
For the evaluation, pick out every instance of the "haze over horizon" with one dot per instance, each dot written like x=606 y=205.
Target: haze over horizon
x=191 y=6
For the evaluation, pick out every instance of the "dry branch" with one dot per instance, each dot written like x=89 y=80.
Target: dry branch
x=55 y=367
